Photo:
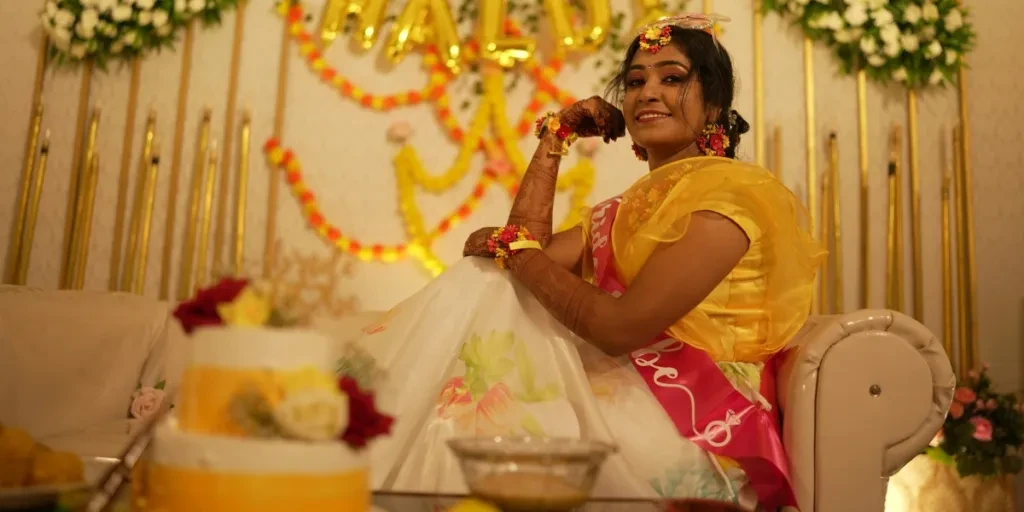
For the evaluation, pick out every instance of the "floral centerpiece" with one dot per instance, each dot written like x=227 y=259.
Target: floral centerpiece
x=984 y=431
x=305 y=405
x=105 y=30
x=913 y=42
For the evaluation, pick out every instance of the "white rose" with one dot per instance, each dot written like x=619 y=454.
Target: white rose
x=85 y=31
x=313 y=415
x=796 y=9
x=164 y=31
x=122 y=12
x=146 y=402
x=930 y=12
x=89 y=3
x=910 y=42
x=890 y=33
x=876 y=60
x=145 y=4
x=951 y=57
x=856 y=15
x=78 y=50
x=953 y=20
x=900 y=74
x=51 y=9
x=105 y=5
x=160 y=18
x=882 y=17
x=63 y=18
x=800 y=2
x=181 y=7
x=869 y=45
x=891 y=49
x=933 y=50
x=935 y=78
x=145 y=18
x=117 y=47
x=197 y=5
x=928 y=33
x=843 y=36
x=912 y=14
x=877 y=4
x=128 y=38
x=61 y=38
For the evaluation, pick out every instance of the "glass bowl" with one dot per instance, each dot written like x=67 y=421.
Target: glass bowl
x=543 y=474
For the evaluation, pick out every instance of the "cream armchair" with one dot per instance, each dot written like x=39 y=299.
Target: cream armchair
x=861 y=393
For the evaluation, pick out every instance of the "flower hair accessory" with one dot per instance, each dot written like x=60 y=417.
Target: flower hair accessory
x=564 y=132
x=657 y=35
x=509 y=240
x=714 y=141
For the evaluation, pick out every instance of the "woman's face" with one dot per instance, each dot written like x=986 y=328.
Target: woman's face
x=664 y=110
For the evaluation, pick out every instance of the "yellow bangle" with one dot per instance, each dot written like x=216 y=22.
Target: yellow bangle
x=524 y=244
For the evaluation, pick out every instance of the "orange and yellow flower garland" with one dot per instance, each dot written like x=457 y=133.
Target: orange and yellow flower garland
x=409 y=169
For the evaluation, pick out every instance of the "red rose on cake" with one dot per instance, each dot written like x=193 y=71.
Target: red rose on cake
x=365 y=422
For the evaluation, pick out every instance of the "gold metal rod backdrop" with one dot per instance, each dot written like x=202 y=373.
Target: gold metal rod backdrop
x=269 y=243
x=897 y=158
x=73 y=252
x=220 y=232
x=967 y=198
x=777 y=153
x=84 y=232
x=245 y=145
x=121 y=204
x=195 y=197
x=890 y=242
x=947 y=268
x=15 y=251
x=758 y=35
x=708 y=7
x=865 y=204
x=838 y=303
x=915 y=207
x=179 y=137
x=810 y=136
x=206 y=219
x=966 y=359
x=29 y=233
x=825 y=276
x=76 y=168
x=28 y=158
x=135 y=224
x=149 y=197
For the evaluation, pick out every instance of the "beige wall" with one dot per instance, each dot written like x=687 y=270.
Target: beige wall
x=348 y=160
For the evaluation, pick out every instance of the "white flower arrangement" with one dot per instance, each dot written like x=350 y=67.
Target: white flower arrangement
x=917 y=43
x=105 y=30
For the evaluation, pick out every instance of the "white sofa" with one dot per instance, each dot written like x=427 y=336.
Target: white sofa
x=861 y=393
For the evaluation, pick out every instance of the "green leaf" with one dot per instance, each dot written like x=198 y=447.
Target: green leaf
x=939 y=455
x=160 y=385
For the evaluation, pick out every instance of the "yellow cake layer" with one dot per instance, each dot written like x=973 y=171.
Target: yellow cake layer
x=225 y=362
x=190 y=472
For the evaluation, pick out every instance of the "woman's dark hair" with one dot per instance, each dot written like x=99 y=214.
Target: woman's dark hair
x=710 y=66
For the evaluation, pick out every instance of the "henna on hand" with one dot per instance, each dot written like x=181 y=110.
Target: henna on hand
x=594 y=117
x=476 y=243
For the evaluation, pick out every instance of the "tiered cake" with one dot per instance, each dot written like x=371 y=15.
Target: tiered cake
x=256 y=428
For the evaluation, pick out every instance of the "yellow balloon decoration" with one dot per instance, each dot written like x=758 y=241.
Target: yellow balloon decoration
x=426 y=22
x=647 y=12
x=333 y=20
x=599 y=21
x=494 y=45
x=446 y=34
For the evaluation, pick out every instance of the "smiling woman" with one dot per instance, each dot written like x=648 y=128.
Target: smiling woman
x=654 y=324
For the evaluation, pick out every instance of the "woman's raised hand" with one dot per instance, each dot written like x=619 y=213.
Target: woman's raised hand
x=594 y=117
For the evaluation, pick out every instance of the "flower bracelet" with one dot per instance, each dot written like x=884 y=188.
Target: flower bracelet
x=509 y=240
x=564 y=132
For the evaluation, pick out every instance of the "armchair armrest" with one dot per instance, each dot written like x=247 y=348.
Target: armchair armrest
x=861 y=395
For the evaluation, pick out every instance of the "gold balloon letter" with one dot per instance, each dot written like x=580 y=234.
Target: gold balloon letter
x=494 y=46
x=591 y=35
x=422 y=22
x=336 y=13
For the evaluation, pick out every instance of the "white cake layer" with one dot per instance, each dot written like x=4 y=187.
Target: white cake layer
x=242 y=347
x=175 y=448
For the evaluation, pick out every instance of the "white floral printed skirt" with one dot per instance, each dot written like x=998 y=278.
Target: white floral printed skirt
x=474 y=353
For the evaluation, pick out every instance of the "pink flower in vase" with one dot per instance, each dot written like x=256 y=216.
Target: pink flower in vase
x=980 y=405
x=982 y=429
x=956 y=410
x=964 y=395
x=991 y=404
x=146 y=402
x=973 y=375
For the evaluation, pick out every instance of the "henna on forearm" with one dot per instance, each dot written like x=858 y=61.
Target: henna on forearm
x=584 y=308
x=535 y=203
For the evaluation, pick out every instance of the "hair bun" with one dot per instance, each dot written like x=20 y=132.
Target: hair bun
x=739 y=124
